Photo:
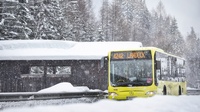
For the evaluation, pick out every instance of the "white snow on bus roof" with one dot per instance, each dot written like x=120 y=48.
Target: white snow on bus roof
x=59 y=50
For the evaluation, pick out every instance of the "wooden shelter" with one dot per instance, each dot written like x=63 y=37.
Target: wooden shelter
x=32 y=65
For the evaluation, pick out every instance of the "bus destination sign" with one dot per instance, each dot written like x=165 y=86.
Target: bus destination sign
x=130 y=55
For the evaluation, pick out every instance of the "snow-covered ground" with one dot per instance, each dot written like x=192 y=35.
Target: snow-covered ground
x=153 y=104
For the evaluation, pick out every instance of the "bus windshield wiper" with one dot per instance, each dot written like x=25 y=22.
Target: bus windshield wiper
x=138 y=83
x=123 y=84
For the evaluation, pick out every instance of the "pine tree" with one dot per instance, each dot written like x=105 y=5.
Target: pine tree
x=104 y=20
x=192 y=43
x=88 y=21
x=143 y=23
x=128 y=7
x=138 y=18
x=26 y=19
x=39 y=20
x=48 y=20
x=81 y=19
x=176 y=40
x=158 y=26
x=77 y=19
x=68 y=9
x=99 y=35
x=192 y=56
x=117 y=21
x=15 y=19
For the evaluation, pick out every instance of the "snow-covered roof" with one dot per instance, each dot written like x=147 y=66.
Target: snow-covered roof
x=59 y=50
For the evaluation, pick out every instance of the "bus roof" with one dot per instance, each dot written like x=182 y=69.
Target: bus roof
x=141 y=48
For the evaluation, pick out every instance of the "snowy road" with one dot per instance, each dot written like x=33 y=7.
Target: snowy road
x=153 y=104
x=189 y=103
x=33 y=103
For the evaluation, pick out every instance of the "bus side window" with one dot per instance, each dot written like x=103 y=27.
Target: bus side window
x=158 y=65
x=158 y=69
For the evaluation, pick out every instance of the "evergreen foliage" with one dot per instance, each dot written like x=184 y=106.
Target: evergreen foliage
x=192 y=54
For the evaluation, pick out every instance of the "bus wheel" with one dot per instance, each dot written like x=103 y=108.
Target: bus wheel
x=179 y=91
x=164 y=90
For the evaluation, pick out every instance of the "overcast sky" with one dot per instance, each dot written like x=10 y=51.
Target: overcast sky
x=187 y=12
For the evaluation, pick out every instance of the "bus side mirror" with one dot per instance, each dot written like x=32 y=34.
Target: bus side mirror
x=104 y=61
x=158 y=65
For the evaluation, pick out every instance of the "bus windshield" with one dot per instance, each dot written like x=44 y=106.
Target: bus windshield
x=132 y=72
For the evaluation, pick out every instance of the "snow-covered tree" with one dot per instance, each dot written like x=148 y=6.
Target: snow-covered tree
x=39 y=20
x=15 y=20
x=26 y=19
x=80 y=15
x=104 y=20
x=142 y=23
x=192 y=56
x=116 y=21
x=138 y=18
x=165 y=33
x=159 y=21
x=88 y=20
x=99 y=35
x=176 y=39
x=48 y=20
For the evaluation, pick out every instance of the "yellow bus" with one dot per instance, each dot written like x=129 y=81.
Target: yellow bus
x=144 y=72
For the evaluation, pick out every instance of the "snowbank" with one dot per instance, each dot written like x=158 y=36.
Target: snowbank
x=189 y=88
x=65 y=87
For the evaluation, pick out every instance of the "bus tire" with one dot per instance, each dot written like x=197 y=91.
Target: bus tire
x=164 y=90
x=179 y=91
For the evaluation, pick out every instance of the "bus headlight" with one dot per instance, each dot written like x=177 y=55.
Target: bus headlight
x=150 y=93
x=113 y=94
